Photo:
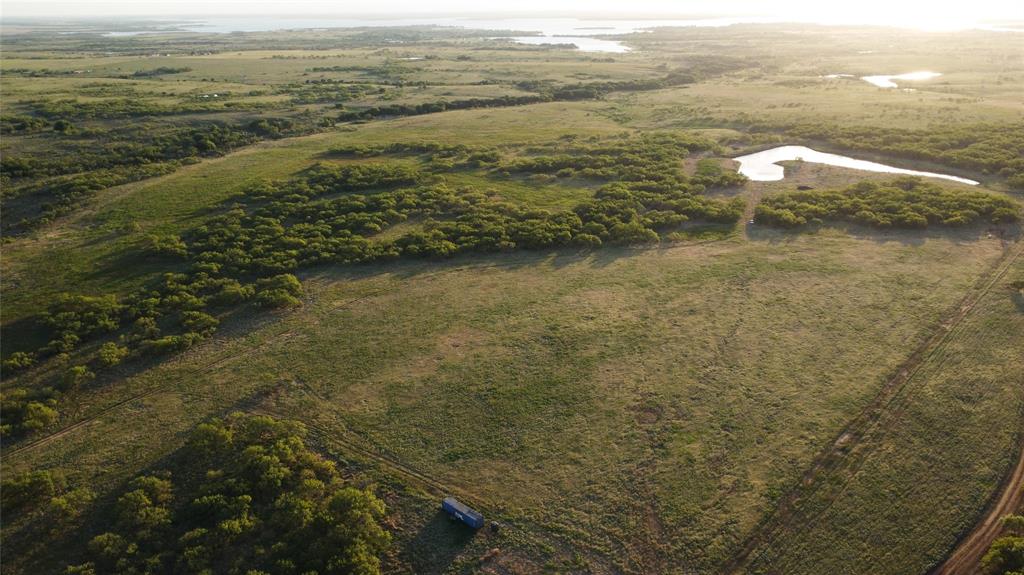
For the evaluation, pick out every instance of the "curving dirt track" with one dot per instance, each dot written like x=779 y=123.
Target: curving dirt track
x=966 y=558
x=836 y=459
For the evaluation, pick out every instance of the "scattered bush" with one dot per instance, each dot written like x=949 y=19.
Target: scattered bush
x=18 y=361
x=111 y=354
x=37 y=416
x=165 y=245
x=77 y=376
x=27 y=490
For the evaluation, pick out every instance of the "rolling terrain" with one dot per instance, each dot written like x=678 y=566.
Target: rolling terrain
x=724 y=397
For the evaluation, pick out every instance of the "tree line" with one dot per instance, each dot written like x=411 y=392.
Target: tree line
x=39 y=188
x=905 y=202
x=546 y=93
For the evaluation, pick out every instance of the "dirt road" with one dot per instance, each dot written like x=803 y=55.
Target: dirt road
x=966 y=558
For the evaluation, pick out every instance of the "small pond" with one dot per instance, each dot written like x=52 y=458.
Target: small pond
x=764 y=167
x=888 y=81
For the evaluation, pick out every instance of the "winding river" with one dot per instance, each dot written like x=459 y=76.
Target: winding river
x=763 y=166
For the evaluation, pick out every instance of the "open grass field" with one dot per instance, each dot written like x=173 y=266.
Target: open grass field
x=967 y=386
x=648 y=379
x=734 y=398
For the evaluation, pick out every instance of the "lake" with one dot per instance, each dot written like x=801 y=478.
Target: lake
x=887 y=81
x=581 y=32
x=581 y=43
x=764 y=167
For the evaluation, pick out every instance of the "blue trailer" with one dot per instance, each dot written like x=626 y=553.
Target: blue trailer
x=453 y=507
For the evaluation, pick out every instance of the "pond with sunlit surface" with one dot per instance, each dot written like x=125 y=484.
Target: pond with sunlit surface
x=764 y=167
x=888 y=80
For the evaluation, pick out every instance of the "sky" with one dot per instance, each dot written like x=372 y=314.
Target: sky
x=938 y=12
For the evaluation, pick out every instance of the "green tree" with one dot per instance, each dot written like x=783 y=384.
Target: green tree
x=19 y=360
x=38 y=416
x=1005 y=557
x=75 y=377
x=111 y=354
x=1014 y=524
x=67 y=508
x=27 y=490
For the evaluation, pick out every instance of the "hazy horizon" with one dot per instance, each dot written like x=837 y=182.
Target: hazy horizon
x=917 y=13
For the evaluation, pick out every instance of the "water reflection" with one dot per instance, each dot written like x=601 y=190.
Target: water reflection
x=763 y=166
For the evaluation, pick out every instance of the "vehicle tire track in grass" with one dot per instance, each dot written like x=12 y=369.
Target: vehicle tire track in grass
x=787 y=517
x=527 y=528
x=332 y=436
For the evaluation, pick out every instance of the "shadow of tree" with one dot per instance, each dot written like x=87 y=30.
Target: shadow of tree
x=1018 y=300
x=438 y=543
x=960 y=236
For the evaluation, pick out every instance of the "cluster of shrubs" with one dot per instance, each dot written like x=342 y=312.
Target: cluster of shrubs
x=17 y=123
x=161 y=71
x=243 y=495
x=38 y=72
x=39 y=188
x=324 y=90
x=439 y=106
x=1006 y=554
x=45 y=495
x=293 y=228
x=38 y=203
x=120 y=108
x=438 y=156
x=169 y=315
x=906 y=202
x=23 y=410
x=389 y=72
x=134 y=147
x=414 y=147
x=334 y=215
